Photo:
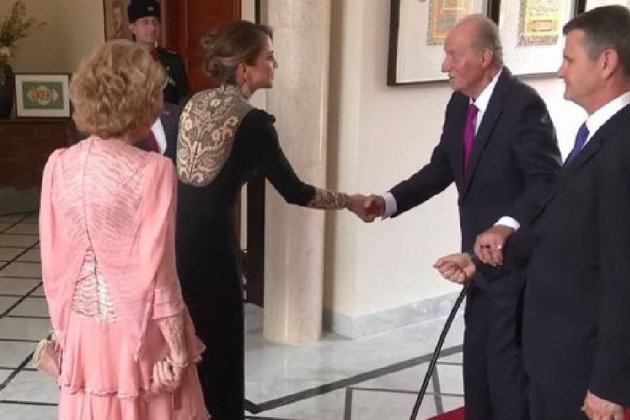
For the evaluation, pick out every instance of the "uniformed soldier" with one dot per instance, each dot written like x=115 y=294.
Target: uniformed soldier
x=144 y=24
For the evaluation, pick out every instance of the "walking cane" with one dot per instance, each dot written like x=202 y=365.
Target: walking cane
x=438 y=348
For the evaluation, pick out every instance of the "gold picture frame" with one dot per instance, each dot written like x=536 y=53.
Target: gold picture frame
x=116 y=22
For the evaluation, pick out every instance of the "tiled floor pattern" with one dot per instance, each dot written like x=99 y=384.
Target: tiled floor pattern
x=374 y=378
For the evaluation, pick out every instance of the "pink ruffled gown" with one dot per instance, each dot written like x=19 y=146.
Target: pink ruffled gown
x=108 y=265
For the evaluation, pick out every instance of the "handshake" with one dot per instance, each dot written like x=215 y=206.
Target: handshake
x=367 y=208
x=488 y=249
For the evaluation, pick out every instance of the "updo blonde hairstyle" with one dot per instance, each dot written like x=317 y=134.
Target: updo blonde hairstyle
x=233 y=44
x=117 y=91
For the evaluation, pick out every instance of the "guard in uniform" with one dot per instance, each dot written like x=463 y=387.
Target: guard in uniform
x=144 y=24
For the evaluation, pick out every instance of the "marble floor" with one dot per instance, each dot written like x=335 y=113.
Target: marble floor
x=374 y=378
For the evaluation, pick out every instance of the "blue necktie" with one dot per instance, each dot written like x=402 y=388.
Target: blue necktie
x=580 y=139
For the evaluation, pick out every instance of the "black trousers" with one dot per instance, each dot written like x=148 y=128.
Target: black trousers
x=559 y=363
x=494 y=372
x=547 y=402
x=218 y=319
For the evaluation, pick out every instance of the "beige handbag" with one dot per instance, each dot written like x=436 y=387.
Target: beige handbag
x=47 y=356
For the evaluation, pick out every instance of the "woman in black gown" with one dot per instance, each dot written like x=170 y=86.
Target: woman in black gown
x=223 y=141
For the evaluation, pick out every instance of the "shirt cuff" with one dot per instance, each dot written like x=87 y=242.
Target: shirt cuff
x=390 y=205
x=509 y=222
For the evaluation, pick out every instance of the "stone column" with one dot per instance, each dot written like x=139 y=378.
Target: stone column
x=294 y=237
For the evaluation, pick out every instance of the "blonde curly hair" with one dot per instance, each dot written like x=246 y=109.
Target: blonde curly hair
x=117 y=91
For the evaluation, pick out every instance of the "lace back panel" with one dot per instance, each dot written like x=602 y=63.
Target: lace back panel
x=91 y=296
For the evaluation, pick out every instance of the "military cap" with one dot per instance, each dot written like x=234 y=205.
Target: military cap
x=141 y=8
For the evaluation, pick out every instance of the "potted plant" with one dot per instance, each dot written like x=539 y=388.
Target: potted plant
x=15 y=26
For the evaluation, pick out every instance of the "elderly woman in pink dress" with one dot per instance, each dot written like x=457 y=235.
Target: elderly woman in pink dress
x=128 y=346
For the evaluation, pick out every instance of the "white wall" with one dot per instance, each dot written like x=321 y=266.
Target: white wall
x=381 y=135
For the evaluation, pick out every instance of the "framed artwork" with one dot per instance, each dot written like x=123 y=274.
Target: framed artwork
x=116 y=22
x=42 y=95
x=531 y=33
x=418 y=29
x=591 y=4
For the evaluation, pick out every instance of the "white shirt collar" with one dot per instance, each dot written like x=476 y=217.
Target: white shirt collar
x=603 y=114
x=483 y=99
x=160 y=136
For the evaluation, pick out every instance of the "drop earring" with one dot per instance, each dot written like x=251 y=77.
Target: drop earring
x=245 y=90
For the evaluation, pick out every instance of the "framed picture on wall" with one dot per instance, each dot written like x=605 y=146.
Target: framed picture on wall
x=42 y=95
x=418 y=29
x=591 y=4
x=116 y=22
x=531 y=33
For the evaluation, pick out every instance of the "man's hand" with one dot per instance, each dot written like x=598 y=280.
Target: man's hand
x=367 y=208
x=489 y=244
x=375 y=206
x=597 y=408
x=357 y=205
x=457 y=268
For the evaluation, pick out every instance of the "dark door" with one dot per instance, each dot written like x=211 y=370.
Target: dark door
x=187 y=21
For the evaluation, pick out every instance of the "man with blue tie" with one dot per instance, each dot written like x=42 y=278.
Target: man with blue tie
x=498 y=146
x=576 y=339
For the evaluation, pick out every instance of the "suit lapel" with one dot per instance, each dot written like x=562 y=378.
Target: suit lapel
x=168 y=117
x=490 y=118
x=590 y=150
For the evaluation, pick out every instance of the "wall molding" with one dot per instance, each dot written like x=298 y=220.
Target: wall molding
x=362 y=326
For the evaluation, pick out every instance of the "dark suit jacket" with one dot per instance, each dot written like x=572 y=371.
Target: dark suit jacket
x=577 y=294
x=170 y=122
x=515 y=160
x=177 y=85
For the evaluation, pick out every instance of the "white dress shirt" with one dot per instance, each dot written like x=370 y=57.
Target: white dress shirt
x=603 y=114
x=160 y=136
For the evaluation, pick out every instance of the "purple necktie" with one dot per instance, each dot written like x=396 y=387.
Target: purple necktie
x=150 y=143
x=469 y=136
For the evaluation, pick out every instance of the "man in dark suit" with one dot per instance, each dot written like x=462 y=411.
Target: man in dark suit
x=498 y=146
x=163 y=136
x=577 y=299
x=144 y=24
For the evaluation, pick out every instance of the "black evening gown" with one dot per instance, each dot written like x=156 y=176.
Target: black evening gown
x=208 y=253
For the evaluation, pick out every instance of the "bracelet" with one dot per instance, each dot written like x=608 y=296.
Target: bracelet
x=170 y=360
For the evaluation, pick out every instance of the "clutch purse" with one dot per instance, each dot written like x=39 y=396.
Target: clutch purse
x=47 y=357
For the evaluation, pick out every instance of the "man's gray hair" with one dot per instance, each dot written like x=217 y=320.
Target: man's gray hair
x=487 y=36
